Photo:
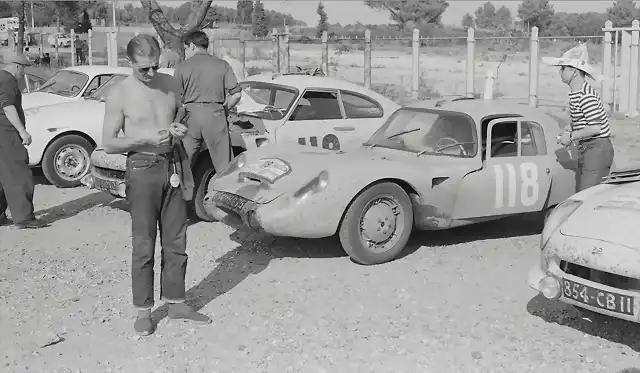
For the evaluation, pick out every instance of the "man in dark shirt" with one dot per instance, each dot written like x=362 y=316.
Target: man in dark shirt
x=209 y=90
x=16 y=180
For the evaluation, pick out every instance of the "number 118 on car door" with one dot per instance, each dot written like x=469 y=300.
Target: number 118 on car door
x=517 y=185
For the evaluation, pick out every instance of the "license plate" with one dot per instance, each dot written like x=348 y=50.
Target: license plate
x=106 y=185
x=605 y=300
x=230 y=201
x=268 y=170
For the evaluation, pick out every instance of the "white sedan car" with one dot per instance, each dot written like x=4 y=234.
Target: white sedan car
x=70 y=84
x=590 y=249
x=65 y=135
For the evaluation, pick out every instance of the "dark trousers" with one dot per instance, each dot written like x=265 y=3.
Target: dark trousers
x=16 y=179
x=208 y=123
x=594 y=162
x=152 y=203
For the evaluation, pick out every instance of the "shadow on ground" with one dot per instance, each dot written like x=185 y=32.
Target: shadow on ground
x=597 y=325
x=72 y=208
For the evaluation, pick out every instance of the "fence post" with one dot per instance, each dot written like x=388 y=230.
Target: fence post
x=73 y=48
x=367 y=58
x=534 y=65
x=57 y=52
x=325 y=53
x=286 y=50
x=606 y=65
x=90 y=46
x=633 y=74
x=41 y=46
x=243 y=58
x=275 y=58
x=488 y=85
x=415 y=71
x=625 y=68
x=160 y=42
x=471 y=65
x=113 y=40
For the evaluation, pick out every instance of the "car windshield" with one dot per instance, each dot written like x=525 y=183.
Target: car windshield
x=65 y=83
x=259 y=96
x=101 y=93
x=425 y=131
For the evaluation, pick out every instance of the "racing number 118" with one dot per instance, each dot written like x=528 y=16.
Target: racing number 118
x=528 y=188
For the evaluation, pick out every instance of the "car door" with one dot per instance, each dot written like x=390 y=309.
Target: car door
x=516 y=173
x=317 y=120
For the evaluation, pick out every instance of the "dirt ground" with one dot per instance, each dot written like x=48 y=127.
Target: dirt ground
x=457 y=301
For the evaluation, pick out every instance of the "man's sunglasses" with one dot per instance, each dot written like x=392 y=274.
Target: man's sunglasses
x=145 y=70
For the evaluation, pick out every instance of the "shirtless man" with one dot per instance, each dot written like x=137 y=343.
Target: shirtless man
x=144 y=106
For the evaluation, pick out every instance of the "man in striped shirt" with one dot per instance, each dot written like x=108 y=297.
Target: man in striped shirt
x=589 y=127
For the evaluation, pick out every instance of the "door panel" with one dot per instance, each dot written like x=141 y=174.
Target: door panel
x=516 y=173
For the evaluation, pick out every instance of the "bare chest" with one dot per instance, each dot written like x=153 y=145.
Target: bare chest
x=150 y=106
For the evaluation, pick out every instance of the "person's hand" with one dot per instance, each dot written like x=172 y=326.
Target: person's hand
x=26 y=137
x=160 y=138
x=564 y=139
x=178 y=130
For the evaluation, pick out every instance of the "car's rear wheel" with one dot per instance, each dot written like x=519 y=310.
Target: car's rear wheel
x=377 y=224
x=67 y=160
x=202 y=174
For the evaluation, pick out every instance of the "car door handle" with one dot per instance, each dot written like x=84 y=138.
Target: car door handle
x=344 y=128
x=547 y=170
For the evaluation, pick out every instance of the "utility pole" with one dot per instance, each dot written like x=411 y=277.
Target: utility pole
x=32 y=23
x=114 y=14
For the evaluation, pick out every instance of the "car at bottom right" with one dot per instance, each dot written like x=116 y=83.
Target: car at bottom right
x=590 y=249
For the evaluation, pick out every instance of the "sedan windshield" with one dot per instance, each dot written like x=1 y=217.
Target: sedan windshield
x=65 y=83
x=425 y=131
x=101 y=93
x=262 y=96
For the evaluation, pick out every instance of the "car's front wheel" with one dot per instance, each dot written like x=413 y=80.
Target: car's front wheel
x=202 y=174
x=377 y=224
x=67 y=160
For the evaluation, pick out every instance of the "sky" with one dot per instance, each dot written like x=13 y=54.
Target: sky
x=346 y=11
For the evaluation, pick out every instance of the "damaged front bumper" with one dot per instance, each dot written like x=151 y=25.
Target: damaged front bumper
x=106 y=180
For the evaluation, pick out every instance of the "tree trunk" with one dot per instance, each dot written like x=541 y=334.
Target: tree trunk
x=21 y=21
x=170 y=35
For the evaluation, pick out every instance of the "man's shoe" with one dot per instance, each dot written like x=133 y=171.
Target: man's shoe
x=31 y=224
x=4 y=220
x=180 y=311
x=143 y=325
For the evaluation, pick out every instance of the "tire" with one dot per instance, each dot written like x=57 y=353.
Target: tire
x=351 y=237
x=67 y=160
x=201 y=176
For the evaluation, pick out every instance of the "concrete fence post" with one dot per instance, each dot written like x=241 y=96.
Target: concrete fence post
x=325 y=53
x=242 y=56
x=90 y=46
x=471 y=65
x=73 y=48
x=606 y=65
x=633 y=73
x=41 y=45
x=534 y=67
x=488 y=85
x=57 y=49
x=275 y=57
x=367 y=59
x=415 y=64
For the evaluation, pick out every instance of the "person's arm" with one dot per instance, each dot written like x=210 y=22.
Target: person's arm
x=589 y=105
x=111 y=126
x=231 y=86
x=177 y=74
x=7 y=98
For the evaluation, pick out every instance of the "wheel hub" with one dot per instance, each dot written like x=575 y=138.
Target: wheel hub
x=72 y=162
x=378 y=223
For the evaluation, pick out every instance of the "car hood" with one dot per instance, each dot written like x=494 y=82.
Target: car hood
x=291 y=167
x=612 y=215
x=35 y=99
x=69 y=114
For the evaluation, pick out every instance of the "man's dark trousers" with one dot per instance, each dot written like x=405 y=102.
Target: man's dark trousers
x=16 y=179
x=153 y=202
x=594 y=162
x=208 y=123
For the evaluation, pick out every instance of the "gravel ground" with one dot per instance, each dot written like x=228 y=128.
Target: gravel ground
x=456 y=302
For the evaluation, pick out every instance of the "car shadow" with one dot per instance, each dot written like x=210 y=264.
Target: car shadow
x=74 y=207
x=256 y=251
x=512 y=226
x=38 y=177
x=591 y=323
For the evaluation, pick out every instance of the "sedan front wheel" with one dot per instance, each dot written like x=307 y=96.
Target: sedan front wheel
x=67 y=160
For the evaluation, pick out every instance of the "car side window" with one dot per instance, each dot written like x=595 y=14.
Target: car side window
x=317 y=105
x=96 y=83
x=360 y=106
x=504 y=139
x=533 y=142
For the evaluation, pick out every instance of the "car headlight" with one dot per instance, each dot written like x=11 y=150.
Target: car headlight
x=235 y=164
x=315 y=185
x=558 y=216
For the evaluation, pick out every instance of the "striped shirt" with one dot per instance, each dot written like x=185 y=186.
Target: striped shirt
x=586 y=109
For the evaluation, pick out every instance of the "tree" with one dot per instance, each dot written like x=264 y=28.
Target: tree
x=244 y=12
x=467 y=21
x=85 y=24
x=260 y=22
x=323 y=22
x=170 y=35
x=485 y=15
x=536 y=13
x=22 y=12
x=6 y=9
x=503 y=17
x=409 y=14
x=622 y=13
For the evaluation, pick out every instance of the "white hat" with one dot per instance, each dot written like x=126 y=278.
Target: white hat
x=576 y=57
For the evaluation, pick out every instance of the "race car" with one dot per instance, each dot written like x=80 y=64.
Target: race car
x=590 y=249
x=64 y=135
x=294 y=108
x=428 y=166
x=70 y=84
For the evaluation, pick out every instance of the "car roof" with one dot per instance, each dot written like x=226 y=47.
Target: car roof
x=99 y=69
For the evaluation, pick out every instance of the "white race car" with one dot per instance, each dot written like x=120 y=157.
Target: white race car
x=65 y=135
x=70 y=84
x=590 y=249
